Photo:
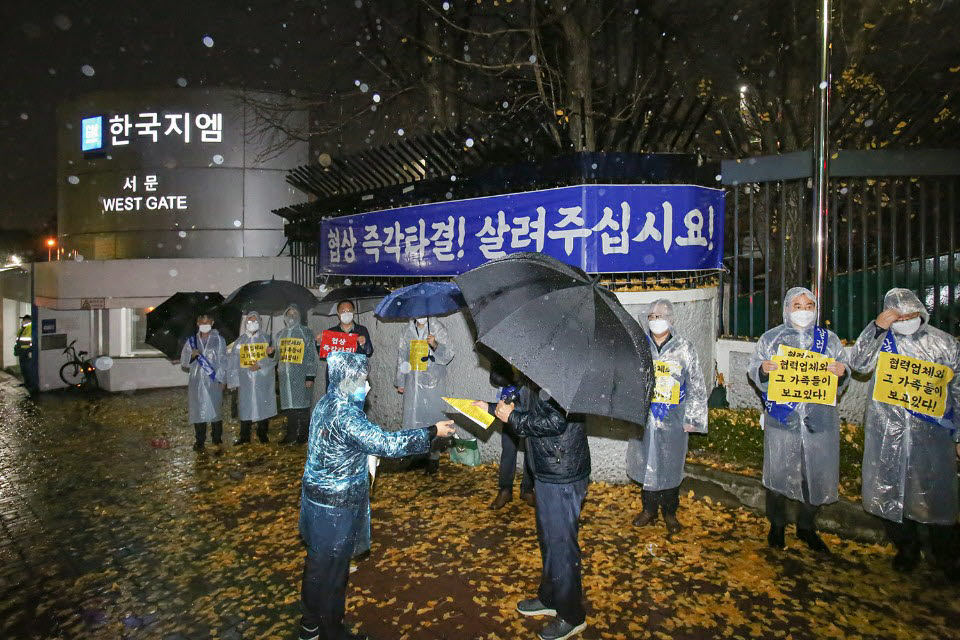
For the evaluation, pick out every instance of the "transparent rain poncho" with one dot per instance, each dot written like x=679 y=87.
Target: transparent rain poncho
x=341 y=438
x=204 y=390
x=909 y=463
x=257 y=396
x=806 y=445
x=656 y=461
x=423 y=403
x=293 y=376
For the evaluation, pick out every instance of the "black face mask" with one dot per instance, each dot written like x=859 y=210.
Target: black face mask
x=428 y=357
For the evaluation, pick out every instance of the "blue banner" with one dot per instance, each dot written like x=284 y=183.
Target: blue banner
x=599 y=228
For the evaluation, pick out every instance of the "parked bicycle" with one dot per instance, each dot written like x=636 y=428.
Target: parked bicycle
x=78 y=371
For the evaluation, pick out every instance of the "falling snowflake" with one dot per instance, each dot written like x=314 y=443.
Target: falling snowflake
x=208 y=42
x=87 y=70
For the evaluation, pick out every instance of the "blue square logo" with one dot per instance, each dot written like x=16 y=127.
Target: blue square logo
x=92 y=133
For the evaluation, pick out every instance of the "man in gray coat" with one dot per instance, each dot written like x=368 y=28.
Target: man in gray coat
x=204 y=355
x=297 y=363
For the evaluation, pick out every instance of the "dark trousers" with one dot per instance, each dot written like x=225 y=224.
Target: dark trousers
x=509 y=443
x=216 y=431
x=329 y=533
x=262 y=426
x=777 y=511
x=943 y=540
x=27 y=370
x=665 y=500
x=298 y=425
x=558 y=528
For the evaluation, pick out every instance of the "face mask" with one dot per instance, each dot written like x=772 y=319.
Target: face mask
x=290 y=322
x=253 y=327
x=421 y=321
x=346 y=317
x=659 y=326
x=802 y=318
x=205 y=328
x=906 y=327
x=361 y=393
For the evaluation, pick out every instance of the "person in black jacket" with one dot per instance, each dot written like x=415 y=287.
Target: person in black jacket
x=346 y=313
x=503 y=376
x=560 y=457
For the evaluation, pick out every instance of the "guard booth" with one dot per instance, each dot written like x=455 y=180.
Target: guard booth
x=428 y=208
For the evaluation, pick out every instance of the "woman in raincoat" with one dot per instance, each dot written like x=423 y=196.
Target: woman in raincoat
x=422 y=377
x=335 y=494
x=204 y=355
x=801 y=441
x=252 y=369
x=297 y=363
x=656 y=460
x=909 y=458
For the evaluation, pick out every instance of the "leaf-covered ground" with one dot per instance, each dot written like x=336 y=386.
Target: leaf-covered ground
x=102 y=535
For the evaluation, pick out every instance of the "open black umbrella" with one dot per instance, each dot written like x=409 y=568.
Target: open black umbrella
x=364 y=296
x=176 y=318
x=562 y=330
x=271 y=297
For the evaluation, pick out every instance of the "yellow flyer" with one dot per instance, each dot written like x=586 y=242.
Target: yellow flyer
x=802 y=378
x=912 y=383
x=466 y=407
x=419 y=349
x=251 y=354
x=291 y=350
x=796 y=352
x=666 y=387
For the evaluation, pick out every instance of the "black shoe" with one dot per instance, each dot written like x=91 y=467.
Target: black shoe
x=263 y=439
x=533 y=607
x=775 y=538
x=530 y=497
x=907 y=559
x=433 y=466
x=813 y=540
x=673 y=525
x=560 y=629
x=240 y=441
x=645 y=518
x=503 y=497
x=309 y=634
x=198 y=446
x=363 y=556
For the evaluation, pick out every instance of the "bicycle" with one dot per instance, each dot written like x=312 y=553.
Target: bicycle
x=77 y=371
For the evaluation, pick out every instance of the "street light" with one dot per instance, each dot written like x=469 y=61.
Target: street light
x=51 y=243
x=15 y=260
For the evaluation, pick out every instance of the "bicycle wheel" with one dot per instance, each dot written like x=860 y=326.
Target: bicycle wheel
x=71 y=373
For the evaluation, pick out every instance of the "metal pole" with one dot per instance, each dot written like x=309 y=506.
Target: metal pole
x=821 y=158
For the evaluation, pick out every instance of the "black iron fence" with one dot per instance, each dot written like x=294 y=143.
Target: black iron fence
x=894 y=222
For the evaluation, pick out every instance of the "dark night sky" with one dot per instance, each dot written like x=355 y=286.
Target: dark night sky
x=137 y=45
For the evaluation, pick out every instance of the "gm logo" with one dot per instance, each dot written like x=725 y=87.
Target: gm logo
x=92 y=133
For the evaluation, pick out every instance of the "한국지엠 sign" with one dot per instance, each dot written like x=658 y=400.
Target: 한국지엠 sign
x=599 y=228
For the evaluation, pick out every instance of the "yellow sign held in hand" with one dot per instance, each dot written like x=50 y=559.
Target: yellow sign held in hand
x=419 y=350
x=912 y=383
x=291 y=350
x=667 y=388
x=252 y=353
x=466 y=407
x=802 y=376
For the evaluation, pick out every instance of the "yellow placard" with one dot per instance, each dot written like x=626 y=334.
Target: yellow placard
x=912 y=383
x=802 y=376
x=666 y=388
x=419 y=349
x=796 y=352
x=466 y=407
x=252 y=353
x=291 y=350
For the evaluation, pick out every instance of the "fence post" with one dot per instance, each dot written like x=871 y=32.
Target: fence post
x=821 y=158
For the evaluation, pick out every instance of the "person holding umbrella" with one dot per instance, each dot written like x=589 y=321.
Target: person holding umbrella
x=297 y=363
x=423 y=354
x=656 y=460
x=504 y=376
x=801 y=440
x=335 y=496
x=204 y=355
x=252 y=369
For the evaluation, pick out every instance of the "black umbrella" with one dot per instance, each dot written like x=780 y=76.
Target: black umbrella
x=176 y=318
x=563 y=331
x=271 y=297
x=364 y=296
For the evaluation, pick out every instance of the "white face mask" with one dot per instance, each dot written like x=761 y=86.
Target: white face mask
x=659 y=326
x=205 y=328
x=346 y=317
x=290 y=321
x=803 y=318
x=906 y=327
x=421 y=321
x=253 y=327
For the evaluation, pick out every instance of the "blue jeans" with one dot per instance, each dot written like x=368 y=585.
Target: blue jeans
x=558 y=529
x=330 y=534
x=509 y=443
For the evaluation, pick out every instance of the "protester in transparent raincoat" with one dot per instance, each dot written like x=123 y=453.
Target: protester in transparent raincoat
x=801 y=441
x=909 y=457
x=204 y=355
x=422 y=378
x=297 y=363
x=335 y=494
x=252 y=369
x=656 y=460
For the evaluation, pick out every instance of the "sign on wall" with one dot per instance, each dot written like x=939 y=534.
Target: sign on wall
x=599 y=228
x=123 y=128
